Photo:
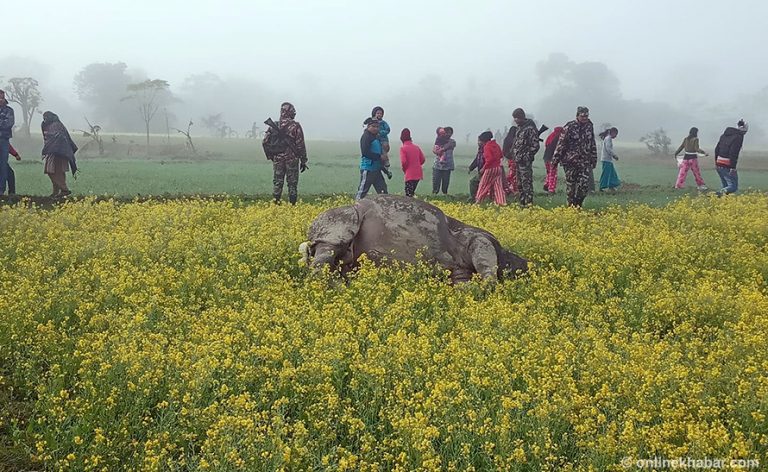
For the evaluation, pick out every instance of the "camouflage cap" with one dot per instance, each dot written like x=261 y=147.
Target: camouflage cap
x=287 y=110
x=582 y=110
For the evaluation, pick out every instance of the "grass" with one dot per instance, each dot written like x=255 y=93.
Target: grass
x=238 y=167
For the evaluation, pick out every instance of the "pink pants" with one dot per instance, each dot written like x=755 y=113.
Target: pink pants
x=550 y=180
x=689 y=164
x=491 y=185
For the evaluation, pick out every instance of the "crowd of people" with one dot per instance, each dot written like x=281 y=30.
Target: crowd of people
x=571 y=146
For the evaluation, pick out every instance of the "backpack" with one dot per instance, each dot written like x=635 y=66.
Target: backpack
x=275 y=142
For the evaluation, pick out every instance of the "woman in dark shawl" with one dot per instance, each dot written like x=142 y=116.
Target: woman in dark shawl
x=58 y=152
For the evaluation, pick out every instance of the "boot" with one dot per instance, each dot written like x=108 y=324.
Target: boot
x=293 y=199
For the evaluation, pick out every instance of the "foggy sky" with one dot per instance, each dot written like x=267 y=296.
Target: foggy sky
x=675 y=51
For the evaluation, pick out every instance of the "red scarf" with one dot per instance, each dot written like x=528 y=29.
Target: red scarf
x=554 y=135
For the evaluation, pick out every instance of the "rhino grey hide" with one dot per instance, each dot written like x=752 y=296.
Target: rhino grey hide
x=395 y=228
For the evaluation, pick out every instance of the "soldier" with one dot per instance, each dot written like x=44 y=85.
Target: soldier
x=6 y=133
x=577 y=152
x=524 y=148
x=289 y=156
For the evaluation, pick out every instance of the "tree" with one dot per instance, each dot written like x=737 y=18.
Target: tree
x=214 y=123
x=149 y=95
x=186 y=133
x=657 y=142
x=95 y=136
x=218 y=126
x=24 y=91
x=102 y=86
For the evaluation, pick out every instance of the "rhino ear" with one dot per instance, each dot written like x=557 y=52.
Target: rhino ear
x=510 y=264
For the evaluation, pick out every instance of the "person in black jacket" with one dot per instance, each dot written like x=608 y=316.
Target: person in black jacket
x=474 y=181
x=727 y=156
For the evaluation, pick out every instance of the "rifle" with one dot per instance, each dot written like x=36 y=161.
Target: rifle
x=542 y=130
x=271 y=123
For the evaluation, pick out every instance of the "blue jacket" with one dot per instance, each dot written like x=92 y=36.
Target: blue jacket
x=7 y=122
x=384 y=131
x=370 y=149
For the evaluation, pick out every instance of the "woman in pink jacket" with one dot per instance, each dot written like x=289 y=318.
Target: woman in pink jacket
x=411 y=159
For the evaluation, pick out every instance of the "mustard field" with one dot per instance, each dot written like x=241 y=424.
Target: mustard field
x=185 y=335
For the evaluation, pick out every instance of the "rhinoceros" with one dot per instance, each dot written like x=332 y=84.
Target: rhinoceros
x=395 y=228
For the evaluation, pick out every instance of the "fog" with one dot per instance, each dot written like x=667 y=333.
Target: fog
x=637 y=65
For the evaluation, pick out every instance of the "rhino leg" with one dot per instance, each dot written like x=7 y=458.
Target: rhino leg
x=485 y=261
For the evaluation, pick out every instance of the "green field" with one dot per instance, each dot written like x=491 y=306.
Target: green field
x=238 y=167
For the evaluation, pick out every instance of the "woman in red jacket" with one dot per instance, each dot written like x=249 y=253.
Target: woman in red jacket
x=411 y=160
x=491 y=183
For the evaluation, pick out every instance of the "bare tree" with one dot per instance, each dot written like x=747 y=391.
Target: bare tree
x=24 y=91
x=186 y=133
x=94 y=135
x=149 y=95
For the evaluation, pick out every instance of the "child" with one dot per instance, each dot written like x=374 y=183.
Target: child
x=491 y=184
x=690 y=160
x=609 y=178
x=440 y=141
x=411 y=160
x=378 y=114
x=443 y=150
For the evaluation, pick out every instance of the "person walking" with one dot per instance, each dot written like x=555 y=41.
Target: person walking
x=577 y=152
x=550 y=179
x=443 y=165
x=58 y=153
x=7 y=122
x=289 y=156
x=690 y=160
x=411 y=159
x=491 y=184
x=609 y=179
x=524 y=148
x=727 y=156
x=370 y=161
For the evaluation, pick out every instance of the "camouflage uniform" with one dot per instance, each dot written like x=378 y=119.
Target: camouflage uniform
x=287 y=165
x=524 y=148
x=577 y=152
